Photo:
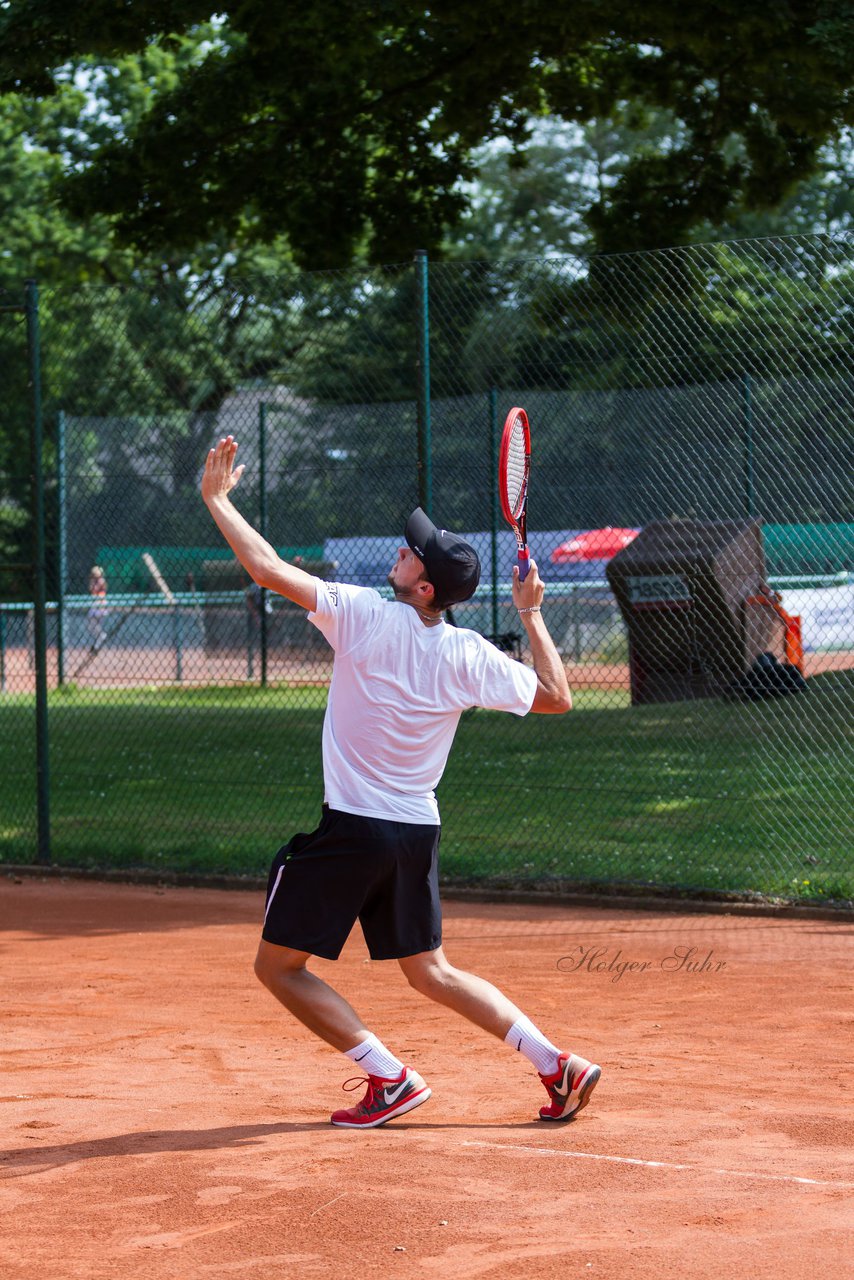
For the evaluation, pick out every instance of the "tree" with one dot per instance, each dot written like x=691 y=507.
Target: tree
x=155 y=342
x=534 y=198
x=349 y=128
x=822 y=203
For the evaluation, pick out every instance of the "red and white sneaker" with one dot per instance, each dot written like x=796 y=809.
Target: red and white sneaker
x=384 y=1099
x=570 y=1087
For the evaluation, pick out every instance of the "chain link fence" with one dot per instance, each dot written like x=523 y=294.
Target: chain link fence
x=18 y=810
x=691 y=512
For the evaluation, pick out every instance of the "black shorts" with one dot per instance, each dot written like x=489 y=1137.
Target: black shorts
x=383 y=874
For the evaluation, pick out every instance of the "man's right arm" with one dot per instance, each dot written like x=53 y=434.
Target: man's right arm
x=553 y=696
x=256 y=555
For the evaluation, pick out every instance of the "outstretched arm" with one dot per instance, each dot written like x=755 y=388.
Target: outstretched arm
x=256 y=555
x=553 y=694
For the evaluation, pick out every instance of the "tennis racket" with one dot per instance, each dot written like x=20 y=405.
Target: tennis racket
x=514 y=469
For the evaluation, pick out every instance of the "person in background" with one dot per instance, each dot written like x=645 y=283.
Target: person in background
x=97 y=616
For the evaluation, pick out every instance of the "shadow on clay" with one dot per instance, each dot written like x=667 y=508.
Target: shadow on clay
x=19 y=1162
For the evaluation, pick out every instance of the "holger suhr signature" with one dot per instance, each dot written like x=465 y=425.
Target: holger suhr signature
x=604 y=960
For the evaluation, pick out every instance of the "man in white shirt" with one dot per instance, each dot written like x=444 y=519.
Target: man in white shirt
x=401 y=679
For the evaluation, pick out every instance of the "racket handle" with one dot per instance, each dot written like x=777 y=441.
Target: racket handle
x=524 y=561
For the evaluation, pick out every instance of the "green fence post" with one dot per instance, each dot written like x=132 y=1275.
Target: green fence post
x=2 y=648
x=422 y=369
x=40 y=610
x=493 y=501
x=262 y=527
x=63 y=548
x=576 y=621
x=177 y=631
x=749 y=474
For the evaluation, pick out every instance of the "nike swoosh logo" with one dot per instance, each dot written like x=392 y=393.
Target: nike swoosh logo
x=563 y=1094
x=392 y=1095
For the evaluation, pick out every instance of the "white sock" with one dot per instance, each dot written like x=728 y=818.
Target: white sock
x=528 y=1039
x=373 y=1057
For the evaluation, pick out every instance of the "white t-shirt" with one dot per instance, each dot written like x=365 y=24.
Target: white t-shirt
x=398 y=690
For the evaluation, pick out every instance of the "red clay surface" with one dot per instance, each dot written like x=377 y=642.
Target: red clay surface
x=116 y=667
x=165 y=1118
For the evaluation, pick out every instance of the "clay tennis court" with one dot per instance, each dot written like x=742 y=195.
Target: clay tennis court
x=163 y=1117
x=118 y=667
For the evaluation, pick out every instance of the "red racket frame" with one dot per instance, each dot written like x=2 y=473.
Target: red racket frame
x=518 y=518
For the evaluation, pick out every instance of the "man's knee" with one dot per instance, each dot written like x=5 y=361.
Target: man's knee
x=428 y=974
x=262 y=968
x=273 y=964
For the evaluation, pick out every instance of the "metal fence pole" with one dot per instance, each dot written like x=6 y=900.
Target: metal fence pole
x=749 y=476
x=493 y=500
x=63 y=547
x=422 y=367
x=576 y=622
x=177 y=631
x=262 y=526
x=40 y=621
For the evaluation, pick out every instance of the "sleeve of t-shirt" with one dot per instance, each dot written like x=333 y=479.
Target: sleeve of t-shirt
x=500 y=683
x=343 y=613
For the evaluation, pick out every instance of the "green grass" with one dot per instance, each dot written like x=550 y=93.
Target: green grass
x=705 y=795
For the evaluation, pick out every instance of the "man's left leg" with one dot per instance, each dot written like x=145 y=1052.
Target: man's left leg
x=312 y=1001
x=568 y=1078
x=393 y=1089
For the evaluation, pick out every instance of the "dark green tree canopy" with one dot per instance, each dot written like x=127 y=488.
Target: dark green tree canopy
x=348 y=127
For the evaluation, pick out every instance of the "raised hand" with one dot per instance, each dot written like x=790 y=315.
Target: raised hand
x=528 y=595
x=220 y=474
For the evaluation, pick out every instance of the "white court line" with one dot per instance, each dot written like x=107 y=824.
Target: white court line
x=334 y=1200
x=655 y=1164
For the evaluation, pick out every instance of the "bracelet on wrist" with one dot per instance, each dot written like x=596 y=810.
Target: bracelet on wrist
x=535 y=608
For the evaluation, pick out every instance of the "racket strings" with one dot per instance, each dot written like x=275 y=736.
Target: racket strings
x=517 y=470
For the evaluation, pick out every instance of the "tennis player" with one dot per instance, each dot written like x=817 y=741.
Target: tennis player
x=401 y=679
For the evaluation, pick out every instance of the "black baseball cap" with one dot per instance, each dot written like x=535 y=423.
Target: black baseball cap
x=451 y=563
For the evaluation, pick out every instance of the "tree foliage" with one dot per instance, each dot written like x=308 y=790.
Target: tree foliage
x=158 y=338
x=349 y=128
x=151 y=339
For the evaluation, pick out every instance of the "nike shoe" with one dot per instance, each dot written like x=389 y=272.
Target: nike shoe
x=570 y=1087
x=383 y=1100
